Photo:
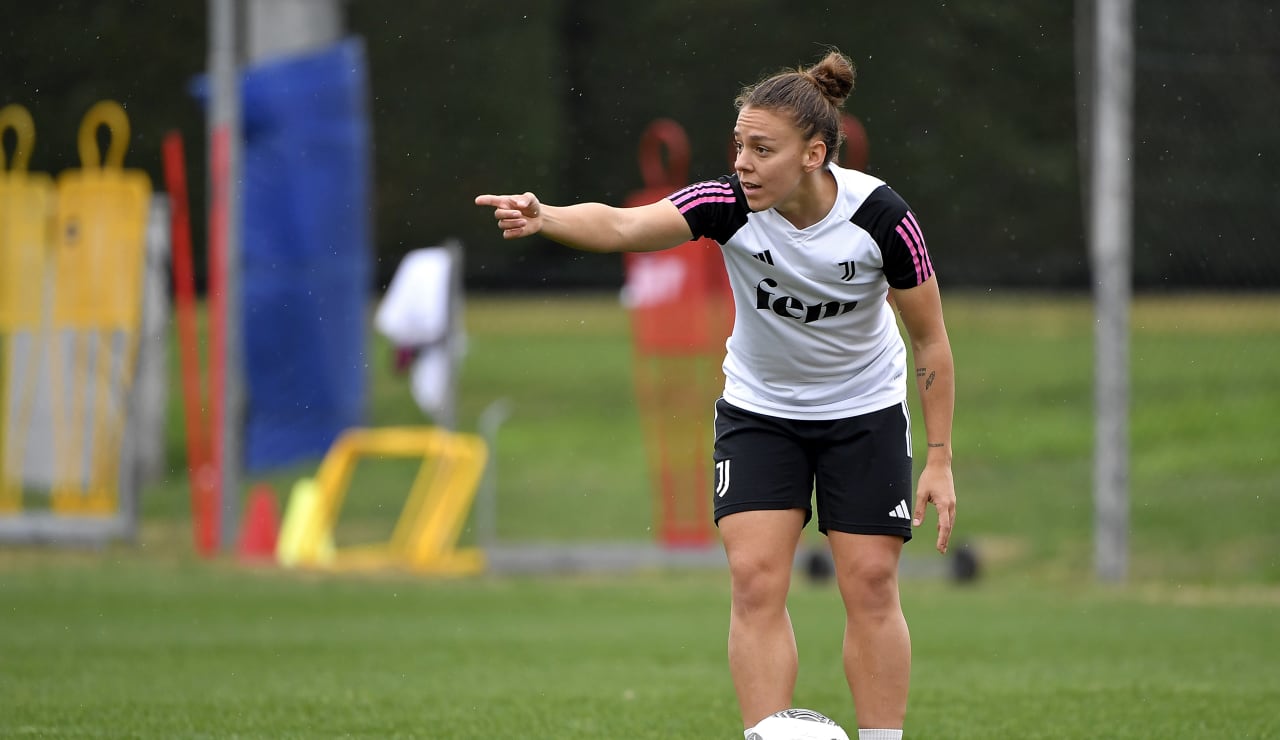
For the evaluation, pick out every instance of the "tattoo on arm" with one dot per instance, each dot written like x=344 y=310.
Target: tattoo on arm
x=937 y=444
x=929 y=383
x=920 y=371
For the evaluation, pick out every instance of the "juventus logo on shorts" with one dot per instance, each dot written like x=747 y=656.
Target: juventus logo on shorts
x=722 y=478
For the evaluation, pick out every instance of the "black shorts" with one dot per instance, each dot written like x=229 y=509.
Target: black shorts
x=857 y=469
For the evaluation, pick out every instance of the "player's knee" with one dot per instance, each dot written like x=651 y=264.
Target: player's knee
x=759 y=590
x=870 y=589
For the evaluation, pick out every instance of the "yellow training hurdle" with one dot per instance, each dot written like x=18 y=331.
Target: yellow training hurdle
x=426 y=532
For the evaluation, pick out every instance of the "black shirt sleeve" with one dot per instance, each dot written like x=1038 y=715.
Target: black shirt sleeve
x=889 y=220
x=714 y=208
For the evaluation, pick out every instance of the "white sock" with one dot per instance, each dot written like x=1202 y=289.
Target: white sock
x=879 y=734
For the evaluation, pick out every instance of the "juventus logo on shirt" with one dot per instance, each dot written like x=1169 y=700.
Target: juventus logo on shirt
x=848 y=270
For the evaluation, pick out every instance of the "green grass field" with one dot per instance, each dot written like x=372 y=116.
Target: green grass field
x=146 y=640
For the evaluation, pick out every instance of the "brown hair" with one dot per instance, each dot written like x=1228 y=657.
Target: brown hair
x=813 y=97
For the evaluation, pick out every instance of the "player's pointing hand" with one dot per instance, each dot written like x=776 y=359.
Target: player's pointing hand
x=517 y=215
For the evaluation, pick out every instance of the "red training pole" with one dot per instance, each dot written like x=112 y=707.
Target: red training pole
x=200 y=469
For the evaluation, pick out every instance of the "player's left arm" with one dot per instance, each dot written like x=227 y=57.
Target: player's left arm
x=921 y=311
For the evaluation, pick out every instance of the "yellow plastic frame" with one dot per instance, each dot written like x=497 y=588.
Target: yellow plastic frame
x=99 y=245
x=26 y=216
x=426 y=533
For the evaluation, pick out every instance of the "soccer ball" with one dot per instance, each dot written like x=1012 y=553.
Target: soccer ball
x=797 y=724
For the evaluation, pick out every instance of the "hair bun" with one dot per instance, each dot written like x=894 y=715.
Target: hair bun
x=834 y=76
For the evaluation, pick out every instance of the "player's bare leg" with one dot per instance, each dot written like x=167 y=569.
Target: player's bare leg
x=761 y=548
x=877 y=644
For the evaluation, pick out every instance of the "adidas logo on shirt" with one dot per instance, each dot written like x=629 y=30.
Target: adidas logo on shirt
x=764 y=257
x=901 y=511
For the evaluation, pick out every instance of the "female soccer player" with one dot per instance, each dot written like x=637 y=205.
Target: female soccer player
x=814 y=405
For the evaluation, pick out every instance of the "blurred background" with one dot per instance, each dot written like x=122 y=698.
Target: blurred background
x=973 y=111
x=368 y=128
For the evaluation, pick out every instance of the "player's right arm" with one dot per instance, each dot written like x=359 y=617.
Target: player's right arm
x=591 y=227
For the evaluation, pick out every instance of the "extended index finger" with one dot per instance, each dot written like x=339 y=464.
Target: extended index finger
x=497 y=201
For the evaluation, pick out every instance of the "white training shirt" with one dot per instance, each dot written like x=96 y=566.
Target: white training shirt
x=813 y=336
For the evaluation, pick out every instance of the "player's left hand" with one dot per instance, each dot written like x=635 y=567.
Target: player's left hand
x=936 y=485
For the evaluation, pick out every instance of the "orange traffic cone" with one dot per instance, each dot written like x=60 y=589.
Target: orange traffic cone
x=261 y=525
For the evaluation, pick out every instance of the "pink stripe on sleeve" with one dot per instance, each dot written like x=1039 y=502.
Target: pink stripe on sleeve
x=701 y=188
x=914 y=226
x=915 y=253
x=704 y=200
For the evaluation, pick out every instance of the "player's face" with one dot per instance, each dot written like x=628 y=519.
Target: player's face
x=772 y=157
